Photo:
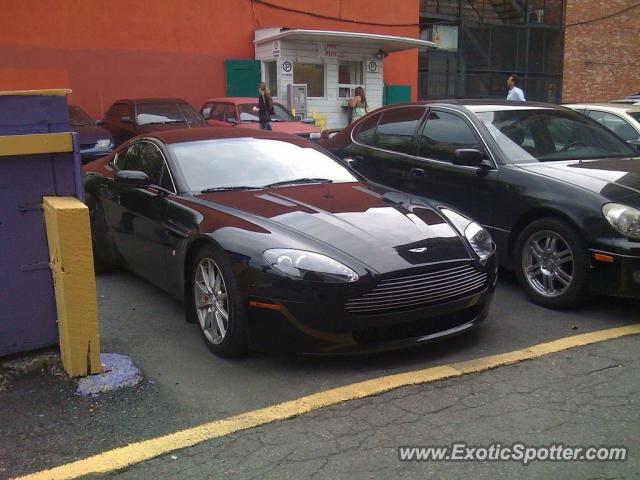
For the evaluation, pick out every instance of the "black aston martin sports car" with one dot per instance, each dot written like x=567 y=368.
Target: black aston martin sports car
x=276 y=246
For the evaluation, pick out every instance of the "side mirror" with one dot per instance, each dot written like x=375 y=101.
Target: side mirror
x=131 y=179
x=99 y=122
x=126 y=120
x=469 y=157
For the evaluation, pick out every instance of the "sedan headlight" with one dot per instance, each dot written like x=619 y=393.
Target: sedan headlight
x=104 y=143
x=308 y=265
x=624 y=219
x=479 y=239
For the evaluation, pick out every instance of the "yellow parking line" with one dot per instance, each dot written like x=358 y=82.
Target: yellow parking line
x=133 y=453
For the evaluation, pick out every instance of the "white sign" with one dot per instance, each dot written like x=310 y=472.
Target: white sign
x=287 y=68
x=276 y=49
x=328 y=49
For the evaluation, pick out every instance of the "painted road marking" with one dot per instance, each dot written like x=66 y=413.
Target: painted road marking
x=138 y=452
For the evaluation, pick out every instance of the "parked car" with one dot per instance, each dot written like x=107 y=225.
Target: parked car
x=135 y=116
x=623 y=120
x=274 y=245
x=559 y=193
x=238 y=112
x=95 y=141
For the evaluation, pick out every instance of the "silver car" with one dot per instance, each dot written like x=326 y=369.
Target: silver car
x=621 y=119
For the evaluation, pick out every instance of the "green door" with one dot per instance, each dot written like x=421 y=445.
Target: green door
x=242 y=77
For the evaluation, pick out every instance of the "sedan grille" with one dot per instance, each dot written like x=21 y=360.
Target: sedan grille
x=416 y=291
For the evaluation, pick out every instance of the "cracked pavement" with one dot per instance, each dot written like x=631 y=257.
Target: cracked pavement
x=584 y=396
x=44 y=424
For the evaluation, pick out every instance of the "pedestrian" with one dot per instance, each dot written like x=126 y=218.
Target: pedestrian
x=358 y=104
x=265 y=107
x=515 y=93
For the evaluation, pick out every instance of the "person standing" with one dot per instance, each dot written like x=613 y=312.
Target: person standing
x=265 y=107
x=358 y=104
x=515 y=93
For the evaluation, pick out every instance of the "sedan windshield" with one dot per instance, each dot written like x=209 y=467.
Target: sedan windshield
x=544 y=135
x=247 y=114
x=242 y=163
x=147 y=113
x=78 y=118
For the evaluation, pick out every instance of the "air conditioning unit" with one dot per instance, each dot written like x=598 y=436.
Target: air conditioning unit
x=536 y=16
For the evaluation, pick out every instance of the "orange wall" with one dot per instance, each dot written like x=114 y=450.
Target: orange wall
x=109 y=49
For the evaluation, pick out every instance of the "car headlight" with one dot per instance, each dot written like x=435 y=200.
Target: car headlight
x=479 y=239
x=308 y=265
x=625 y=219
x=104 y=143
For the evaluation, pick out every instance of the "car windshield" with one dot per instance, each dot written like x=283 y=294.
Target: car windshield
x=78 y=117
x=147 y=113
x=253 y=163
x=634 y=115
x=545 y=135
x=247 y=114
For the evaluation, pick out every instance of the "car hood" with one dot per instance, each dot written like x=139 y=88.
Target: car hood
x=90 y=134
x=618 y=180
x=385 y=232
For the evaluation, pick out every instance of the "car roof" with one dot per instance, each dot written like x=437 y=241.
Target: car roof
x=150 y=100
x=234 y=100
x=220 y=133
x=478 y=105
x=613 y=107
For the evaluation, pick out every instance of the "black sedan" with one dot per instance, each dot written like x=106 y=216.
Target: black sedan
x=276 y=246
x=559 y=193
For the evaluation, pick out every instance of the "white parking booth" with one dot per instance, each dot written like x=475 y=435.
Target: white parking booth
x=315 y=72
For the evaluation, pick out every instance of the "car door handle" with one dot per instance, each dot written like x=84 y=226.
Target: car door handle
x=417 y=172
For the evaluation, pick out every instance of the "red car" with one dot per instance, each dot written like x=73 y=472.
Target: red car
x=238 y=112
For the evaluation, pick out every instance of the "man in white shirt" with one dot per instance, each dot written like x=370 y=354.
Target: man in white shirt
x=515 y=93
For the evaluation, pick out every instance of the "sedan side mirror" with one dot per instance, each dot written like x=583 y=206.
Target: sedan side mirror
x=126 y=120
x=131 y=179
x=469 y=157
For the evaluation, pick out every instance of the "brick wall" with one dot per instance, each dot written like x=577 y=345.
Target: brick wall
x=602 y=58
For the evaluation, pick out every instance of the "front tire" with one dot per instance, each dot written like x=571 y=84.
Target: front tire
x=552 y=264
x=216 y=304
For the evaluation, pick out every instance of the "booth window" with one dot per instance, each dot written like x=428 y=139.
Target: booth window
x=271 y=77
x=313 y=75
x=350 y=76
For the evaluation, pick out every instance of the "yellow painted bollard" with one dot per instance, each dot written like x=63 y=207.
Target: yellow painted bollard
x=71 y=260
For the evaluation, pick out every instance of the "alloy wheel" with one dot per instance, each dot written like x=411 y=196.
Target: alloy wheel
x=211 y=301
x=548 y=263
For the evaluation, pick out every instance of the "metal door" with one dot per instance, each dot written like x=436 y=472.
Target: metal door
x=242 y=77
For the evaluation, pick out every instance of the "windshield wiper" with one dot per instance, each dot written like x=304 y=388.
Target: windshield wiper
x=299 y=180
x=229 y=189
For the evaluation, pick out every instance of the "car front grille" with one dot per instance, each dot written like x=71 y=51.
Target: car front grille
x=419 y=290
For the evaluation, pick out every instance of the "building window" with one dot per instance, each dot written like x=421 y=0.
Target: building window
x=271 y=77
x=350 y=76
x=313 y=75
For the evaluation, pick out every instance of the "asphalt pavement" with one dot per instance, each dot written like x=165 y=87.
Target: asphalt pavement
x=44 y=424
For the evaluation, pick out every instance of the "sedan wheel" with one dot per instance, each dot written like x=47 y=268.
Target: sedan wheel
x=211 y=301
x=216 y=304
x=548 y=263
x=552 y=263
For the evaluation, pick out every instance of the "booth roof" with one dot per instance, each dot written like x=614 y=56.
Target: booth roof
x=390 y=43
